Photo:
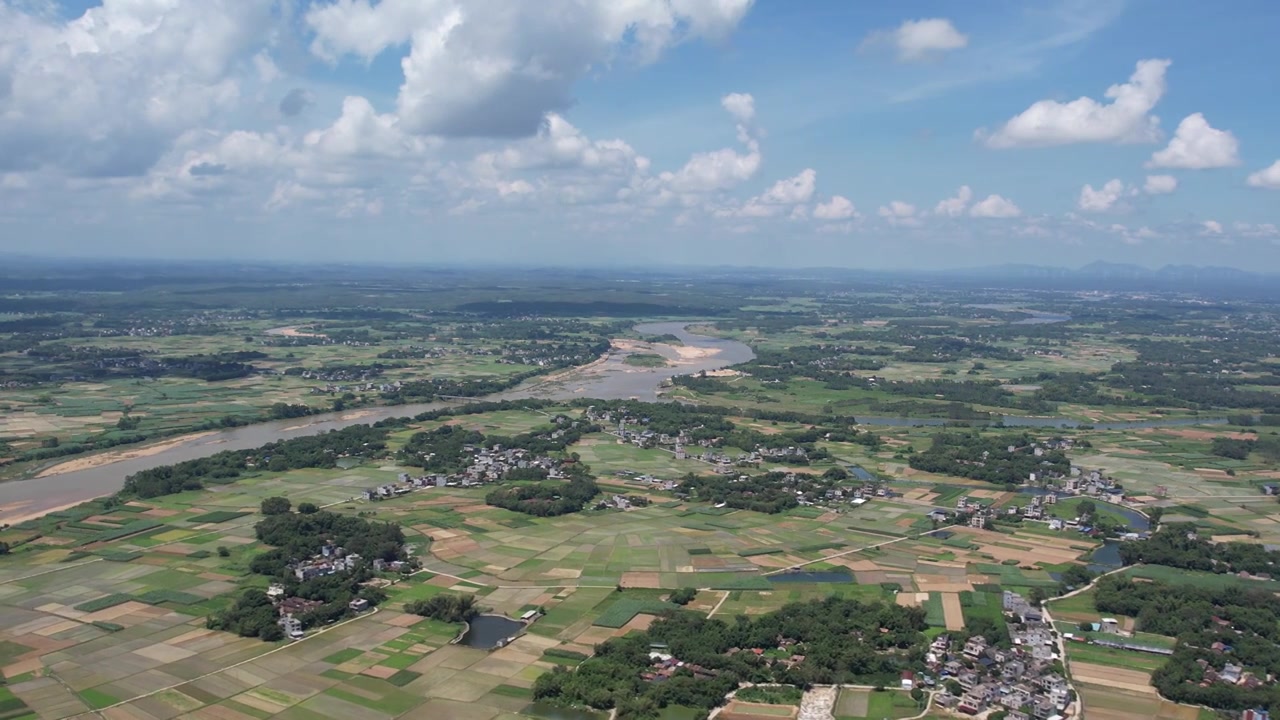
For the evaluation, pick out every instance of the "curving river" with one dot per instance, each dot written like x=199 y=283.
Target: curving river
x=608 y=379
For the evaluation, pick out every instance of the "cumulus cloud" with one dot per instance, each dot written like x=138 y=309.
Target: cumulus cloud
x=104 y=94
x=741 y=106
x=1160 y=184
x=1198 y=146
x=899 y=213
x=1268 y=177
x=1102 y=199
x=1125 y=119
x=791 y=191
x=1210 y=227
x=995 y=206
x=955 y=206
x=724 y=168
x=361 y=131
x=1256 y=230
x=838 y=207
x=494 y=68
x=915 y=40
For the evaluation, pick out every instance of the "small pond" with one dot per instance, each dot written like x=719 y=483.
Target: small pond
x=860 y=473
x=487 y=631
x=812 y=577
x=1105 y=558
x=942 y=534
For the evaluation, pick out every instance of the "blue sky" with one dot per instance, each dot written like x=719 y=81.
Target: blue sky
x=588 y=132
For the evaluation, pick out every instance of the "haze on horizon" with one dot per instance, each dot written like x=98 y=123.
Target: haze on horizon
x=590 y=132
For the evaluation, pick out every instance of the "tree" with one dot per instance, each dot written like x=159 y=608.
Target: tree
x=306 y=508
x=684 y=595
x=275 y=506
x=4 y=548
x=445 y=607
x=954 y=688
x=1086 y=508
x=224 y=551
x=917 y=694
x=1155 y=514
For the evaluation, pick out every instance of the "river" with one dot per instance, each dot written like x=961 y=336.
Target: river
x=609 y=379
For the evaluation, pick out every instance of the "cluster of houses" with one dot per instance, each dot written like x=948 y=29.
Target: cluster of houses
x=331 y=559
x=487 y=465
x=1230 y=674
x=1092 y=483
x=973 y=512
x=1019 y=680
x=291 y=608
x=622 y=502
x=336 y=389
x=664 y=665
x=1038 y=508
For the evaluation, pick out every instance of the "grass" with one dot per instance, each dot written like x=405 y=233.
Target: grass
x=156 y=597
x=645 y=360
x=817 y=547
x=771 y=695
x=404 y=677
x=217 y=516
x=104 y=602
x=344 y=655
x=759 y=551
x=624 y=609
x=97 y=699
x=133 y=528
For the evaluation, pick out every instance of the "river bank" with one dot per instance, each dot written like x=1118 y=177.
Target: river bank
x=102 y=474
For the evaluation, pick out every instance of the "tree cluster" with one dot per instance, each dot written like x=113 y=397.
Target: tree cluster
x=546 y=499
x=988 y=458
x=842 y=640
x=445 y=607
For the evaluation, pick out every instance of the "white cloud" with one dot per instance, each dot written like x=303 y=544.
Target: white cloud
x=956 y=206
x=1198 y=146
x=1102 y=199
x=791 y=191
x=361 y=131
x=899 y=213
x=495 y=68
x=725 y=168
x=1210 y=227
x=1258 y=230
x=995 y=206
x=1160 y=184
x=1125 y=119
x=104 y=94
x=919 y=39
x=741 y=106
x=1268 y=177
x=838 y=207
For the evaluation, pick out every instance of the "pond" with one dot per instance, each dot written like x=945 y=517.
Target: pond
x=942 y=534
x=1136 y=521
x=547 y=711
x=1105 y=558
x=860 y=473
x=486 y=631
x=812 y=577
